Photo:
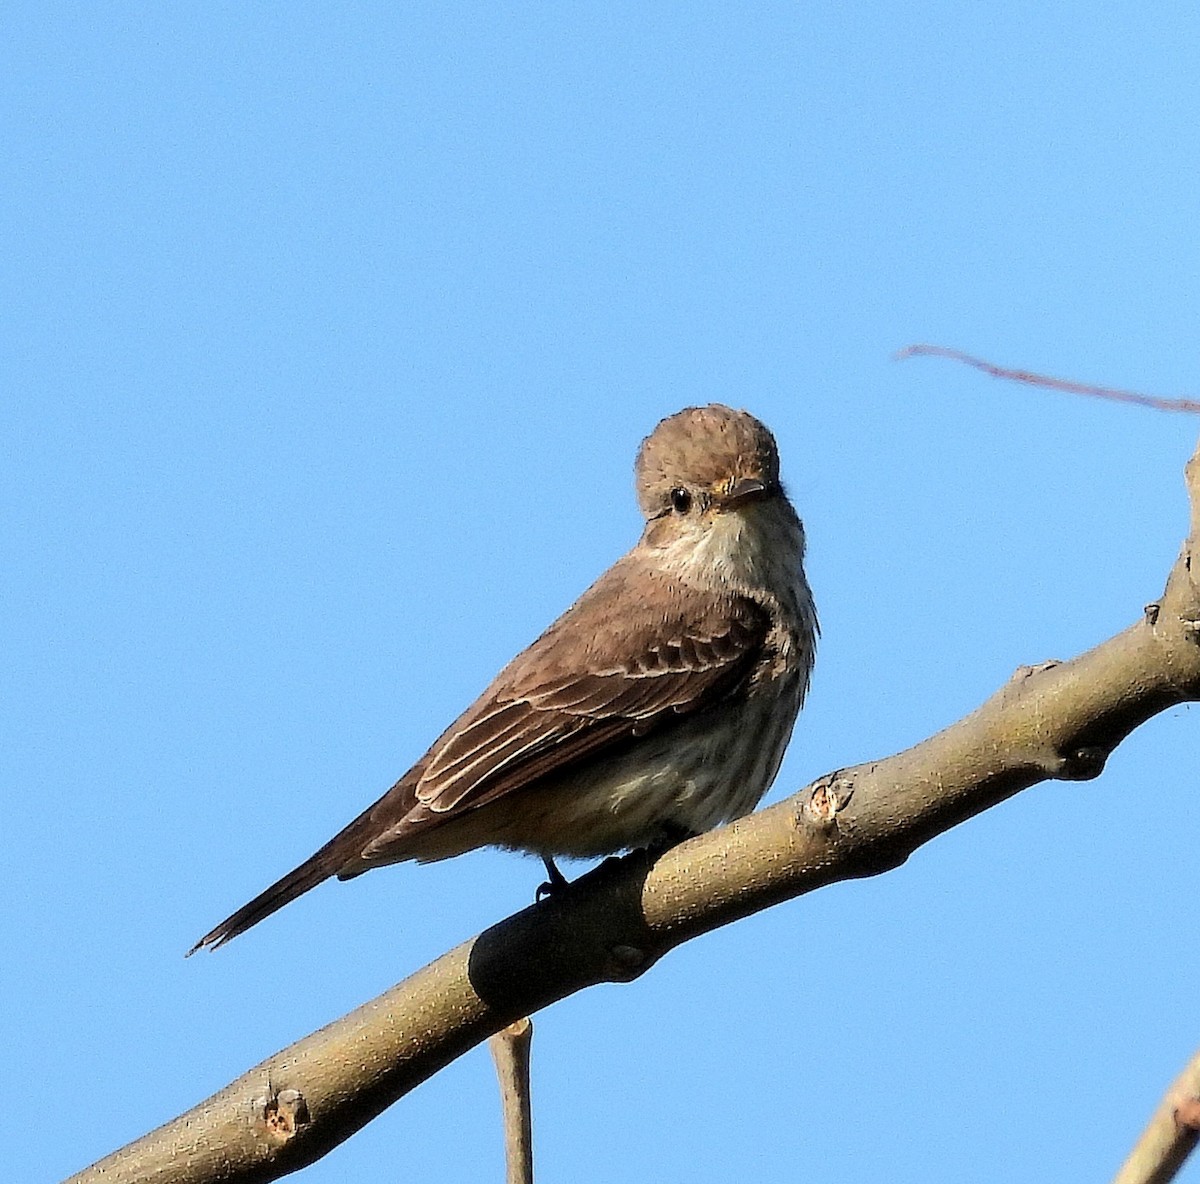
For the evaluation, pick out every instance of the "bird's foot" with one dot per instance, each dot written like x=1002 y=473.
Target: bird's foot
x=556 y=882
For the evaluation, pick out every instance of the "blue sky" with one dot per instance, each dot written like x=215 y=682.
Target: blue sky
x=329 y=333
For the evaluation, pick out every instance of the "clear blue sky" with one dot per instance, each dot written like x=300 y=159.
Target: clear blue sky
x=329 y=334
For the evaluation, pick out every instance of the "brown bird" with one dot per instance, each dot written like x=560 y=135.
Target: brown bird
x=658 y=706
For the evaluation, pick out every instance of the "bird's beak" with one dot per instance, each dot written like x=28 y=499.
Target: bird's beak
x=748 y=489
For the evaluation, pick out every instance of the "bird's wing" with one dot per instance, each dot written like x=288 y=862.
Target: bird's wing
x=637 y=650
x=624 y=660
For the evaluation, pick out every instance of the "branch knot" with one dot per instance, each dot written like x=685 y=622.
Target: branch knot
x=279 y=1117
x=830 y=795
x=1082 y=764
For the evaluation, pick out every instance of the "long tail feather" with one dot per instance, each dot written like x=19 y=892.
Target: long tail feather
x=309 y=874
x=339 y=857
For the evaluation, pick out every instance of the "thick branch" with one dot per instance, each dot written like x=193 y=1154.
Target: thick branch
x=1061 y=720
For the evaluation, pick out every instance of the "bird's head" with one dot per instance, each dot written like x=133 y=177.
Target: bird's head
x=706 y=461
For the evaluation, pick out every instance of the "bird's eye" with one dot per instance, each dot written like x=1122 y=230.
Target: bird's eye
x=681 y=499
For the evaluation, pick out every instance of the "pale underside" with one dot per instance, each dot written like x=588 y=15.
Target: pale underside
x=671 y=716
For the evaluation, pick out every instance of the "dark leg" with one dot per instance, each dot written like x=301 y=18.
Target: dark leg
x=555 y=883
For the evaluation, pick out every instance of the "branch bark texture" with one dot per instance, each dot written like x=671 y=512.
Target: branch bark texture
x=1059 y=720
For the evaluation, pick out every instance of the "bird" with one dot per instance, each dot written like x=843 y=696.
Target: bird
x=657 y=707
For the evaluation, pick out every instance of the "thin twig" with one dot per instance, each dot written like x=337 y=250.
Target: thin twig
x=1169 y=1135
x=510 y=1051
x=1189 y=406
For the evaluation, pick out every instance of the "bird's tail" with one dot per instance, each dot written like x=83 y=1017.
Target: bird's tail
x=318 y=867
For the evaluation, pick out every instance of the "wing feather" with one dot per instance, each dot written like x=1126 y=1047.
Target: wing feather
x=574 y=692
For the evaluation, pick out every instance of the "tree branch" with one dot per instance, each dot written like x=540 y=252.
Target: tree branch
x=1059 y=720
x=1092 y=390
x=1170 y=1135
x=510 y=1051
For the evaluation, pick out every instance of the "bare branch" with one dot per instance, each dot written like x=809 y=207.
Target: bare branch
x=510 y=1051
x=1190 y=406
x=1057 y=720
x=1170 y=1135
